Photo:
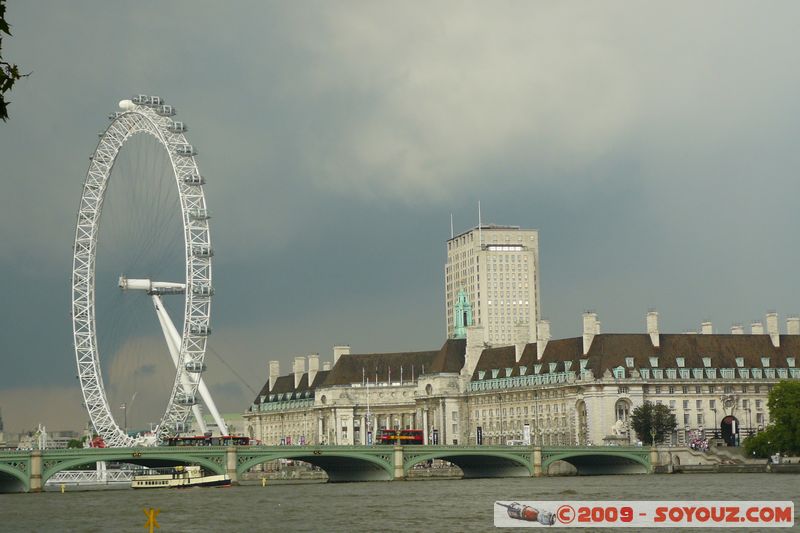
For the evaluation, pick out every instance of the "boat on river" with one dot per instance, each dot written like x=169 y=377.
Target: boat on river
x=178 y=477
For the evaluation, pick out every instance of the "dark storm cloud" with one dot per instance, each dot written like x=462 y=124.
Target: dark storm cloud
x=653 y=146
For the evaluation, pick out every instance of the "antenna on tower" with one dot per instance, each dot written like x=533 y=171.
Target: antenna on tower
x=480 y=228
x=451 y=226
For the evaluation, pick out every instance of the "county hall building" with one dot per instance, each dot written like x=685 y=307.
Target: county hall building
x=499 y=378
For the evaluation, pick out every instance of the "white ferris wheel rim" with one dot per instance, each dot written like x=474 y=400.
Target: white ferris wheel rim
x=143 y=114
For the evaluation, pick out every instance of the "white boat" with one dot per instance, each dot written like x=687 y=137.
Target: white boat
x=178 y=477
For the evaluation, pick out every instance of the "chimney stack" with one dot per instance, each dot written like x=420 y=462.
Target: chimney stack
x=339 y=350
x=706 y=328
x=652 y=327
x=543 y=336
x=590 y=328
x=772 y=328
x=274 y=372
x=737 y=329
x=326 y=366
x=756 y=328
x=299 y=369
x=793 y=325
x=313 y=367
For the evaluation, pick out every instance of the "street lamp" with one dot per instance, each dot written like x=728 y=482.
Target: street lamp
x=715 y=421
x=653 y=427
x=749 y=422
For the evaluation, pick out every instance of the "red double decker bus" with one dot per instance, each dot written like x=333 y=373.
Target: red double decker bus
x=400 y=436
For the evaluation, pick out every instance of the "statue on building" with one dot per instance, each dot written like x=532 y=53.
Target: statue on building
x=618 y=429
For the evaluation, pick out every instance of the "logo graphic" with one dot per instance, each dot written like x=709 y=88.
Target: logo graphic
x=527 y=513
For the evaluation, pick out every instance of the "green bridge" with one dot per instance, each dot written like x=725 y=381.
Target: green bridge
x=27 y=471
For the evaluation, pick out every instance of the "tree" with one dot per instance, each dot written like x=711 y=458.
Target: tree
x=783 y=433
x=649 y=418
x=9 y=72
x=76 y=443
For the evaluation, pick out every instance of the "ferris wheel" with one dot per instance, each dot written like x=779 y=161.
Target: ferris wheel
x=151 y=116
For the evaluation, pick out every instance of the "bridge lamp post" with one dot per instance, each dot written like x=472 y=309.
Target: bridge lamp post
x=715 y=421
x=653 y=427
x=500 y=403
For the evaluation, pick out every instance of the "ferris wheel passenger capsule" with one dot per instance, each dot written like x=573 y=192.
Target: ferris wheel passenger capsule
x=200 y=329
x=178 y=127
x=165 y=110
x=156 y=101
x=194 y=179
x=141 y=99
x=195 y=367
x=203 y=251
x=203 y=290
x=186 y=150
x=185 y=399
x=199 y=214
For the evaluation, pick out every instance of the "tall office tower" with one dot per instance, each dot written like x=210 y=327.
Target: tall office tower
x=498 y=269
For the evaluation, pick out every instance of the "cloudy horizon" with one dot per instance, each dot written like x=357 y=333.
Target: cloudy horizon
x=652 y=146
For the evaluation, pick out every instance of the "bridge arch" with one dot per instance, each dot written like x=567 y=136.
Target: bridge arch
x=477 y=463
x=600 y=462
x=12 y=479
x=148 y=459
x=340 y=465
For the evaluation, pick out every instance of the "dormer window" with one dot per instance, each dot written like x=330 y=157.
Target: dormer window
x=707 y=362
x=495 y=372
x=765 y=362
x=537 y=368
x=481 y=373
x=567 y=365
x=508 y=372
x=680 y=361
x=619 y=372
x=553 y=367
x=740 y=362
x=654 y=362
x=629 y=362
x=790 y=362
x=583 y=363
x=522 y=370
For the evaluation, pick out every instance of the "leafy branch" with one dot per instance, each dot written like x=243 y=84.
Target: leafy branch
x=9 y=72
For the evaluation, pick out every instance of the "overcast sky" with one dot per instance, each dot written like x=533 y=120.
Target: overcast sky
x=653 y=145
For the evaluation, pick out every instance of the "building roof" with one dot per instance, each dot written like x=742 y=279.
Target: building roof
x=285 y=385
x=610 y=350
x=450 y=358
x=355 y=368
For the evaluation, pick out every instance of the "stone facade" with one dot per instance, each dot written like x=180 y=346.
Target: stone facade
x=575 y=391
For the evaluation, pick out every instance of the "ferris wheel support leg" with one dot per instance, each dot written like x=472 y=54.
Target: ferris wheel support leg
x=173 y=343
x=171 y=331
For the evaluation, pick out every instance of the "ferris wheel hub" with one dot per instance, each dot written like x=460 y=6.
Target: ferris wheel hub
x=151 y=287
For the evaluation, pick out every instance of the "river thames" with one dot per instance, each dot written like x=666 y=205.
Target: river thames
x=434 y=505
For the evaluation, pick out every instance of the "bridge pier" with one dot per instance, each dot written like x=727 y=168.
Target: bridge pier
x=36 y=471
x=397 y=456
x=230 y=464
x=537 y=461
x=653 y=459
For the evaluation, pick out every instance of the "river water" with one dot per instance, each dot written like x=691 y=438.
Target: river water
x=431 y=505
